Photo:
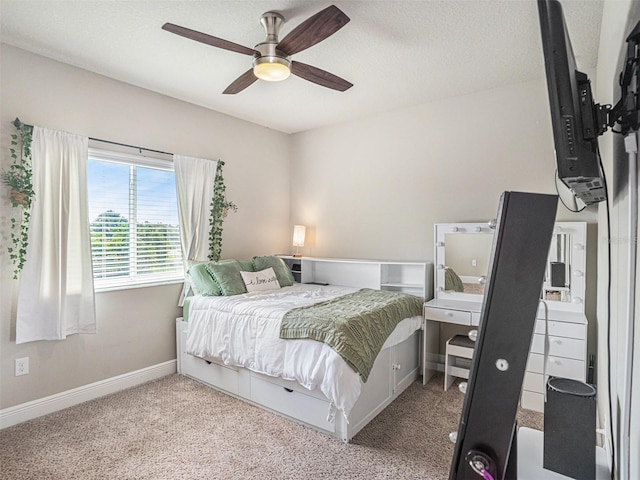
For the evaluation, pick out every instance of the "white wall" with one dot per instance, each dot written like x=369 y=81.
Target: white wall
x=618 y=19
x=135 y=327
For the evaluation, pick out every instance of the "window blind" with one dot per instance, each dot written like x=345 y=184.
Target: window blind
x=135 y=236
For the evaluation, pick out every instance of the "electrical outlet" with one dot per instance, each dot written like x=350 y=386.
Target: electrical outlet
x=22 y=366
x=474 y=263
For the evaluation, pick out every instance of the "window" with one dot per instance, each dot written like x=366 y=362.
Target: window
x=133 y=215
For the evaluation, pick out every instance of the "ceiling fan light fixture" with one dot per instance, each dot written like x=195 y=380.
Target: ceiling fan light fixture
x=272 y=69
x=272 y=58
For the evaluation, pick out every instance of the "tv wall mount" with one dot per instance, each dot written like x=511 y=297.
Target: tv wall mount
x=625 y=113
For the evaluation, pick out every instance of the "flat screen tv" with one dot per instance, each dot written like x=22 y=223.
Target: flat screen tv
x=576 y=120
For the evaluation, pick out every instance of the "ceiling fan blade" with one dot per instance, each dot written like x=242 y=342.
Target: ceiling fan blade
x=321 y=77
x=313 y=30
x=242 y=82
x=208 y=39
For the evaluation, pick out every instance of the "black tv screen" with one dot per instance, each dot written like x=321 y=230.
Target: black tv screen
x=575 y=119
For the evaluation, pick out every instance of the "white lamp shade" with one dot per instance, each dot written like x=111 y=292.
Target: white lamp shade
x=298 y=235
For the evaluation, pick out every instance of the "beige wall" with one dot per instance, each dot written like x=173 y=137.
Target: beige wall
x=135 y=327
x=374 y=188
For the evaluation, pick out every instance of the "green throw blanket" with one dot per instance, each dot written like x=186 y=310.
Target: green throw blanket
x=355 y=325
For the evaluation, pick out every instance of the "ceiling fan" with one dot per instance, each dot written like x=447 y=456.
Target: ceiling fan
x=272 y=58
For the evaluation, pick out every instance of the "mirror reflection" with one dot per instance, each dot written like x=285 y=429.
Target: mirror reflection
x=467 y=263
x=557 y=277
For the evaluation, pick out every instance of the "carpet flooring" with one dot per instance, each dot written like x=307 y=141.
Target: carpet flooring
x=177 y=428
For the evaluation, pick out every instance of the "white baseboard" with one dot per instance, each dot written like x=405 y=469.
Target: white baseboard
x=36 y=408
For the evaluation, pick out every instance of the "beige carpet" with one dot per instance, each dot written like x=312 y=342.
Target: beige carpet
x=176 y=428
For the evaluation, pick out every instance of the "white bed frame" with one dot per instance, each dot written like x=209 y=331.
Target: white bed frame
x=393 y=371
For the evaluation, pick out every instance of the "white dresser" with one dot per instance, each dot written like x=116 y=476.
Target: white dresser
x=559 y=343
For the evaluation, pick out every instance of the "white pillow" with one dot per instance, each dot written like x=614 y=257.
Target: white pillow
x=263 y=280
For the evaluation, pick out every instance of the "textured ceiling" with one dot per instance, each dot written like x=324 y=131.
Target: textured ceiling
x=396 y=53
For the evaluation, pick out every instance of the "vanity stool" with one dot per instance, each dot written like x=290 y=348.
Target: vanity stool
x=460 y=346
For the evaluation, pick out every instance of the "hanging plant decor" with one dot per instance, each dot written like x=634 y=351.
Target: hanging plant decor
x=220 y=208
x=18 y=177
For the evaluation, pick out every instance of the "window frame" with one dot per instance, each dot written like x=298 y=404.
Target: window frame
x=132 y=281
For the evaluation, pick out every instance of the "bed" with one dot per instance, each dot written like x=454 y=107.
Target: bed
x=233 y=343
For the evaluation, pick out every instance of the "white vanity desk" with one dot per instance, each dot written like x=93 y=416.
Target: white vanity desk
x=559 y=344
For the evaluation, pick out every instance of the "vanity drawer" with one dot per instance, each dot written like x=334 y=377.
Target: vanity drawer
x=447 y=315
x=562 y=329
x=557 y=366
x=532 y=401
x=534 y=382
x=309 y=409
x=559 y=346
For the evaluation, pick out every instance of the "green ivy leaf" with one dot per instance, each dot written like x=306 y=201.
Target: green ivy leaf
x=19 y=178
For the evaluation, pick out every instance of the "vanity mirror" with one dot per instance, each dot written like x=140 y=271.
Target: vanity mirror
x=462 y=257
x=559 y=343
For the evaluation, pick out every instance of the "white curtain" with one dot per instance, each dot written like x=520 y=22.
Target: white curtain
x=55 y=294
x=195 y=180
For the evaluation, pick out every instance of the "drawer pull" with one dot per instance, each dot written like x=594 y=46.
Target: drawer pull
x=557 y=342
x=554 y=361
x=449 y=314
x=288 y=389
x=208 y=362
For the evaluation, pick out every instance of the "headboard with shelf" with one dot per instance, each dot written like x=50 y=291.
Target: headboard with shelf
x=408 y=277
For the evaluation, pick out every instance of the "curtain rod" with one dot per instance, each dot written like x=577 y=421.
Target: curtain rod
x=17 y=123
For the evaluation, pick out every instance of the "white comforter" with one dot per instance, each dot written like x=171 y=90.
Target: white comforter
x=244 y=330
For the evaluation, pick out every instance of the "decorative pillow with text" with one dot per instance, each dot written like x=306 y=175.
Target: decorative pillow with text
x=263 y=280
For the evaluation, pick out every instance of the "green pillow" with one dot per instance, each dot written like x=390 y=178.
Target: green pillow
x=246 y=264
x=202 y=281
x=283 y=274
x=227 y=276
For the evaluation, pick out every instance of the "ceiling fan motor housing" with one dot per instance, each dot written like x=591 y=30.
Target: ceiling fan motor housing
x=266 y=52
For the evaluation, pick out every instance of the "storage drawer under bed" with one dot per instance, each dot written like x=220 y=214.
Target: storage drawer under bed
x=219 y=376
x=304 y=407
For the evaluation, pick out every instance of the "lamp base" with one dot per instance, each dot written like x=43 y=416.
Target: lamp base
x=296 y=255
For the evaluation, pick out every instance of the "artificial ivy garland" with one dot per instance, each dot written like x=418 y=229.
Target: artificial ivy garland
x=219 y=210
x=19 y=179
